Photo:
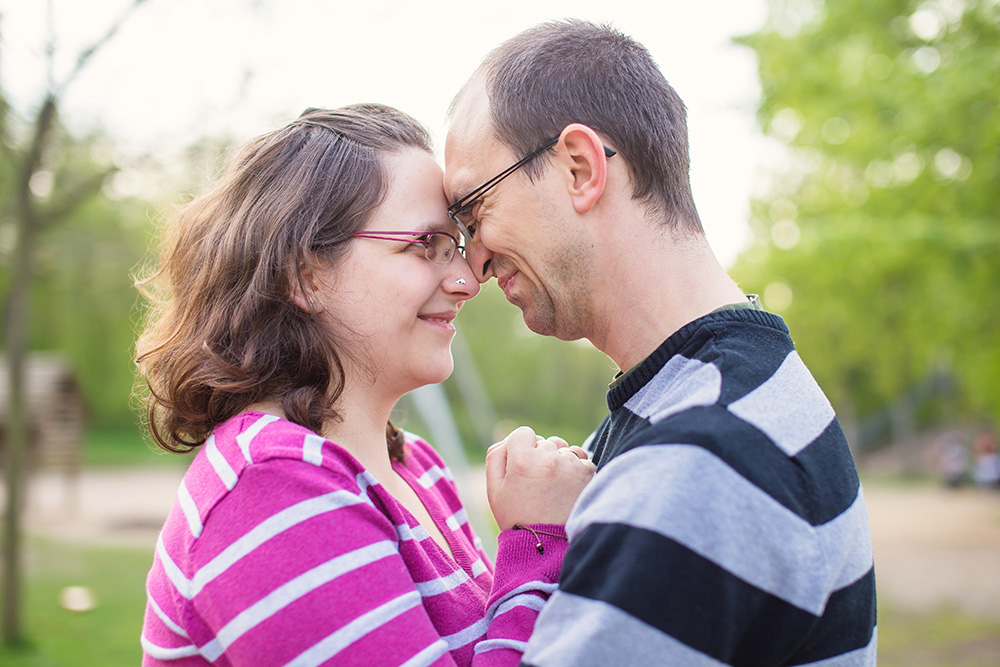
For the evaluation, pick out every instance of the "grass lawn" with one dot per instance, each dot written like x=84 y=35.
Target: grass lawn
x=108 y=635
x=944 y=638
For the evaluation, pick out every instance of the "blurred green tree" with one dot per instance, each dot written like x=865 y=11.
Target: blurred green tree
x=554 y=387
x=43 y=187
x=80 y=292
x=880 y=244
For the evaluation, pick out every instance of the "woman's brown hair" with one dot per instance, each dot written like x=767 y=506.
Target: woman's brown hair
x=223 y=331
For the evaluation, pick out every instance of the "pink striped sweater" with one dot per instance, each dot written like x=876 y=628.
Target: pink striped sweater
x=282 y=550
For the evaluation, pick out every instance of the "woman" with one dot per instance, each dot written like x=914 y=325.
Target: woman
x=295 y=303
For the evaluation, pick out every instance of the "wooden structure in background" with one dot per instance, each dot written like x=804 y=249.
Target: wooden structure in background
x=56 y=418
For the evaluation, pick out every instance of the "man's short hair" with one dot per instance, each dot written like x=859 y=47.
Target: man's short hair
x=574 y=71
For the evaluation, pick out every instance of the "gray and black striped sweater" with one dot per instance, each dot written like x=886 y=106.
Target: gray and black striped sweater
x=726 y=524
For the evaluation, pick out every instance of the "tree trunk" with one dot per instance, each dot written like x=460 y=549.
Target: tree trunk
x=17 y=327
x=15 y=470
x=16 y=433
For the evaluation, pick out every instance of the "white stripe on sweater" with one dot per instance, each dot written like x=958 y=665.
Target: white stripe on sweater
x=246 y=437
x=537 y=586
x=691 y=483
x=428 y=656
x=441 y=584
x=467 y=635
x=478 y=567
x=356 y=629
x=262 y=532
x=431 y=477
x=189 y=508
x=602 y=634
x=312 y=449
x=294 y=590
x=681 y=384
x=494 y=644
x=163 y=653
x=457 y=520
x=528 y=600
x=219 y=463
x=173 y=572
x=789 y=407
x=166 y=620
x=411 y=533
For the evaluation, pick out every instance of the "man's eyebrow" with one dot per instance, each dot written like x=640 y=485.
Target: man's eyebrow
x=458 y=199
x=430 y=226
x=466 y=190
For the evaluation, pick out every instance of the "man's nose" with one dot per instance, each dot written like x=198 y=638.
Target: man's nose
x=480 y=259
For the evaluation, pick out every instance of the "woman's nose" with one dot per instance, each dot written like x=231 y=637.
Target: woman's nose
x=461 y=278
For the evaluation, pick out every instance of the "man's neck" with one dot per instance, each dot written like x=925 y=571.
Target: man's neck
x=657 y=288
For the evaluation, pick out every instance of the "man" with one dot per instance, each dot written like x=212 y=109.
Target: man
x=726 y=523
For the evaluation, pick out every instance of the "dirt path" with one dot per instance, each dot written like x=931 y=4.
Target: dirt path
x=937 y=547
x=932 y=546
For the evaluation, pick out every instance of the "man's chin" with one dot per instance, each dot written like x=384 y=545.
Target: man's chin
x=546 y=325
x=543 y=326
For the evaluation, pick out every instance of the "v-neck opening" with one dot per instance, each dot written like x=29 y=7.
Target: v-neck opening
x=458 y=554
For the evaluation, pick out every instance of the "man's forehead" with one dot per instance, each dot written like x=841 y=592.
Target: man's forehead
x=470 y=147
x=470 y=113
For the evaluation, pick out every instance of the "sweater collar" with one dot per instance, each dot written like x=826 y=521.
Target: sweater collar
x=626 y=384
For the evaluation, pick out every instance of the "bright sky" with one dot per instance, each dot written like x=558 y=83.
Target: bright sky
x=181 y=69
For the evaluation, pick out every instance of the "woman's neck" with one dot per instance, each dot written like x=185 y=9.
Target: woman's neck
x=361 y=429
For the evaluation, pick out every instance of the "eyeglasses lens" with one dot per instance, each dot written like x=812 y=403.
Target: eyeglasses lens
x=440 y=248
x=462 y=218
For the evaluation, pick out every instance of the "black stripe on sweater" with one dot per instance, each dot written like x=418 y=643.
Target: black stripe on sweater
x=818 y=484
x=697 y=600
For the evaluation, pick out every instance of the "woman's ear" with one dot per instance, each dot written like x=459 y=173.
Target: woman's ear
x=582 y=152
x=303 y=288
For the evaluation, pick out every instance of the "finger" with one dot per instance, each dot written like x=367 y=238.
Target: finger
x=559 y=442
x=520 y=439
x=564 y=451
x=496 y=464
x=580 y=452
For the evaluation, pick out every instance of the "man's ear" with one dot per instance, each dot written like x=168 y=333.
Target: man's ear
x=303 y=288
x=582 y=153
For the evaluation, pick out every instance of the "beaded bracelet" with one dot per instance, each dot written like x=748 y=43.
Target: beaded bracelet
x=536 y=533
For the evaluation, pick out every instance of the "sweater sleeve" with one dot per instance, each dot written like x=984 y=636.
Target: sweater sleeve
x=675 y=558
x=527 y=571
x=290 y=569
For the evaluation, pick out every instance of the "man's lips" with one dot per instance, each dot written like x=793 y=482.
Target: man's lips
x=505 y=282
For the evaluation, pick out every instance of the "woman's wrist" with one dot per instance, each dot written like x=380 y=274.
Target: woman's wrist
x=556 y=531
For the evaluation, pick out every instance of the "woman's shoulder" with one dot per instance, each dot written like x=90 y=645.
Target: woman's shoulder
x=261 y=454
x=253 y=438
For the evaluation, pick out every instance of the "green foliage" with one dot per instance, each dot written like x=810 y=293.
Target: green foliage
x=82 y=298
x=120 y=446
x=556 y=388
x=880 y=244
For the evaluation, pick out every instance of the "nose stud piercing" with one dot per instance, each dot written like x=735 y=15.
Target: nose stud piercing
x=460 y=281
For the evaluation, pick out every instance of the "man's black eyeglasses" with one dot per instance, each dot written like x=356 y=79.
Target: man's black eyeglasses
x=462 y=211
